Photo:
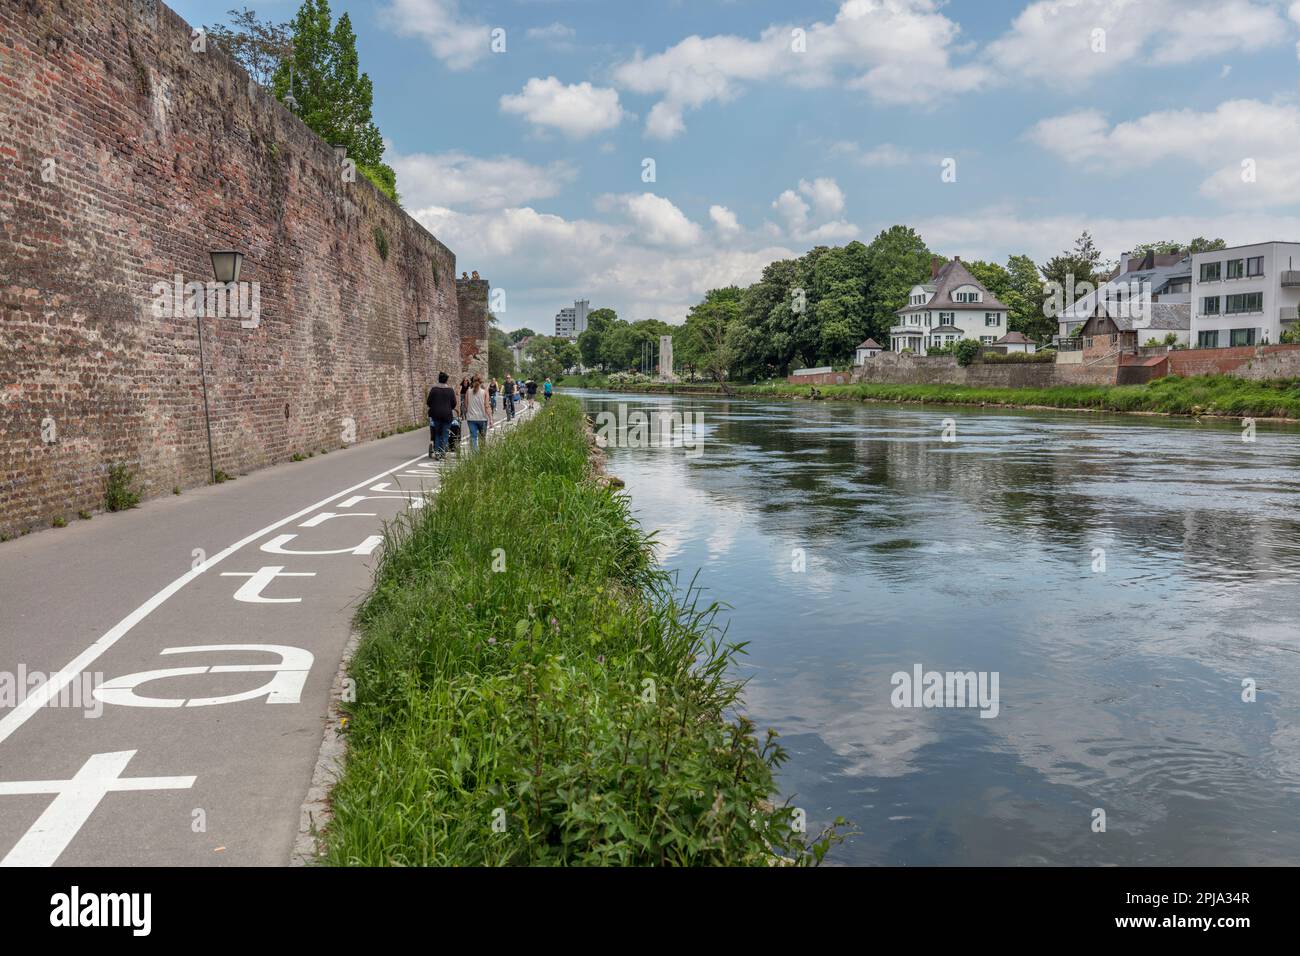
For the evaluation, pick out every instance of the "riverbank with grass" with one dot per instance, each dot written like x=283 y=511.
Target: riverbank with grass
x=529 y=691
x=1202 y=396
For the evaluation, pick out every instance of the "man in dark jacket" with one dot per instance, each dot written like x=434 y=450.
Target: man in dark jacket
x=442 y=410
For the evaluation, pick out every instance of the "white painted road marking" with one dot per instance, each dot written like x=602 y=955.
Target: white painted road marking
x=57 y=681
x=250 y=592
x=277 y=546
x=285 y=687
x=324 y=516
x=76 y=800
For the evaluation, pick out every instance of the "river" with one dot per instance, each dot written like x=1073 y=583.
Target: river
x=1132 y=583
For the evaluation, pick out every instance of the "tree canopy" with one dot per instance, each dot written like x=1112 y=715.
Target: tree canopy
x=334 y=97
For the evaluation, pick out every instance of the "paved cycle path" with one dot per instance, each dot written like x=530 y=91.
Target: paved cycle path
x=165 y=672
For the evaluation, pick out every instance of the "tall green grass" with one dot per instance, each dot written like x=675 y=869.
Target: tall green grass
x=1201 y=395
x=529 y=691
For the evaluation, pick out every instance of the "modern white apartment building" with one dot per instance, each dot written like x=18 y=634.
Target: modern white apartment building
x=1246 y=295
x=572 y=322
x=951 y=307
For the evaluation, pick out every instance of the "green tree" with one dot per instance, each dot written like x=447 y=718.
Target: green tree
x=501 y=361
x=548 y=357
x=840 y=282
x=763 y=342
x=258 y=46
x=995 y=278
x=334 y=97
x=1291 y=334
x=591 y=341
x=1071 y=275
x=1165 y=247
x=518 y=335
x=1025 y=300
x=897 y=260
x=704 y=337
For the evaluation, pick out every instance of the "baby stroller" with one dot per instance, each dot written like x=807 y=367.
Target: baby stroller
x=453 y=437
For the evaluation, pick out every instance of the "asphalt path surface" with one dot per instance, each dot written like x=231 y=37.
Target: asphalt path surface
x=165 y=672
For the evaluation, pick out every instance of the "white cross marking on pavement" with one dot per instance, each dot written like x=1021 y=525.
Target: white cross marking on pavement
x=76 y=800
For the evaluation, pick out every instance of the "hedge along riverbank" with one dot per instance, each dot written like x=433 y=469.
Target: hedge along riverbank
x=1204 y=395
x=529 y=691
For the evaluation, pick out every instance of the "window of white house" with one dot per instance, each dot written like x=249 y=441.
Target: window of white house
x=1236 y=268
x=1208 y=339
x=966 y=296
x=1255 y=266
x=946 y=317
x=1245 y=302
x=1210 y=305
x=1243 y=337
x=987 y=339
x=1211 y=271
x=992 y=318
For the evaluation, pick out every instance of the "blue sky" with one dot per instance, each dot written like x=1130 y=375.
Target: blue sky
x=1182 y=117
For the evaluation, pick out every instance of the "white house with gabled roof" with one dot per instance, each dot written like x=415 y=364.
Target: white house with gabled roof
x=952 y=306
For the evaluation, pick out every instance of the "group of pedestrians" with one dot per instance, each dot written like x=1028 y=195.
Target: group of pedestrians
x=476 y=404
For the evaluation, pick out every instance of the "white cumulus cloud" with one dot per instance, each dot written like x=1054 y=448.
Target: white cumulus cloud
x=576 y=109
x=724 y=220
x=896 y=51
x=1251 y=148
x=458 y=41
x=458 y=179
x=795 y=210
x=1064 y=42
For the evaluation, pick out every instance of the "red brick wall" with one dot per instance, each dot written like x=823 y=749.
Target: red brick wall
x=472 y=299
x=154 y=155
x=1188 y=362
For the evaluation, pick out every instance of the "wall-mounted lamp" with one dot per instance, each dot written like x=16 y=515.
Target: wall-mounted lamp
x=340 y=153
x=422 y=329
x=226 y=265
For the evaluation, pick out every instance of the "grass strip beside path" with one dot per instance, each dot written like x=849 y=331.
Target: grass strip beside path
x=1221 y=395
x=530 y=692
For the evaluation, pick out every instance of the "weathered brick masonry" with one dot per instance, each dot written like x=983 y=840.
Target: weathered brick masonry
x=125 y=158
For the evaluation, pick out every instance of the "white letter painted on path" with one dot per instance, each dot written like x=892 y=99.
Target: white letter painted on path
x=277 y=546
x=285 y=687
x=250 y=592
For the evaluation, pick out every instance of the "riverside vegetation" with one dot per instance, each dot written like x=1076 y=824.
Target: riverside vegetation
x=1221 y=395
x=530 y=689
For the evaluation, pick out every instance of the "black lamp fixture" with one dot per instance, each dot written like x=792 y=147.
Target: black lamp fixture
x=226 y=265
x=340 y=153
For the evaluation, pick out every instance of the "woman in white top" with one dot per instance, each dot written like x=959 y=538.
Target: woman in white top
x=478 y=411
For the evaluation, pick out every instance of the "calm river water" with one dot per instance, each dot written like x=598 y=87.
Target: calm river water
x=1120 y=690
